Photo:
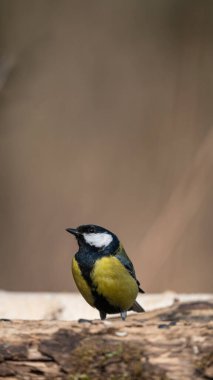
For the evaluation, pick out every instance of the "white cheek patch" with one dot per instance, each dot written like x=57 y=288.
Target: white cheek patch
x=98 y=240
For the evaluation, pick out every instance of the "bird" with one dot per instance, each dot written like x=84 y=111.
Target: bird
x=103 y=272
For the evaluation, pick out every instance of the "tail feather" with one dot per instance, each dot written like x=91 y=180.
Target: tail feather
x=136 y=307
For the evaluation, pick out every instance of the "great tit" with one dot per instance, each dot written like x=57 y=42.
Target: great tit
x=103 y=272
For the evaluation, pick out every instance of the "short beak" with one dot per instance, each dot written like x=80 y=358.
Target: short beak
x=72 y=231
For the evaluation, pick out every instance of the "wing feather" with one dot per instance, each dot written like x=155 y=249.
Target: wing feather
x=124 y=259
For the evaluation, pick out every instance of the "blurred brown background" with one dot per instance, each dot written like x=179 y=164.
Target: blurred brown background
x=106 y=116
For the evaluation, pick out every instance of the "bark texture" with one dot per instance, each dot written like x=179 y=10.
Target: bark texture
x=172 y=343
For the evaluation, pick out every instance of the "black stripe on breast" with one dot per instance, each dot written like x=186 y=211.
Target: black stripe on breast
x=102 y=304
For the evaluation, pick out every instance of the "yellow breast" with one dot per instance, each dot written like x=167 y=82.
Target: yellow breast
x=81 y=283
x=114 y=282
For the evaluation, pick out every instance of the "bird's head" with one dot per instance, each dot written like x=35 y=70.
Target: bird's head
x=96 y=237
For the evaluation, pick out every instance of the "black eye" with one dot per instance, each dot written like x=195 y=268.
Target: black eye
x=91 y=230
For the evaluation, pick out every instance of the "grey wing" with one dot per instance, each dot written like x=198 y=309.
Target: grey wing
x=129 y=266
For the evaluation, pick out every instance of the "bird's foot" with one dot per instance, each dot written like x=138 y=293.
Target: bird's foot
x=123 y=315
x=102 y=315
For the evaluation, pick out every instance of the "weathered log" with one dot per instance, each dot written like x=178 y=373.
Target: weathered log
x=172 y=343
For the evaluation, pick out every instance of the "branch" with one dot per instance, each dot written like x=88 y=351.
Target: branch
x=172 y=343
